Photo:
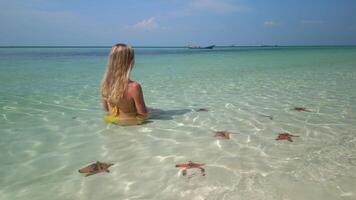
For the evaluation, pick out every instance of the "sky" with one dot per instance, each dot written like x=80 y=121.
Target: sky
x=177 y=22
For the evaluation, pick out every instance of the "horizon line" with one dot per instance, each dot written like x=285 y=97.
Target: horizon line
x=150 y=46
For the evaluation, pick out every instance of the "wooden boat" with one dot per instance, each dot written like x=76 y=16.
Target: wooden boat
x=199 y=47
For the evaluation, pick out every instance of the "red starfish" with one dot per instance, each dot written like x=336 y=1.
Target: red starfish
x=223 y=134
x=286 y=136
x=300 y=109
x=190 y=165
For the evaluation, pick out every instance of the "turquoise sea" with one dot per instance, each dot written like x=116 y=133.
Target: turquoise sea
x=51 y=124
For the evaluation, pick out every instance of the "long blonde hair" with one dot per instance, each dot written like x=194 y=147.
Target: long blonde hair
x=116 y=77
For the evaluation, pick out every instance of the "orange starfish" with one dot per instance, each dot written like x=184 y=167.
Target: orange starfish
x=95 y=168
x=190 y=165
x=223 y=134
x=286 y=136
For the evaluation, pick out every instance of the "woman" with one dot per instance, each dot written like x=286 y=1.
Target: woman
x=122 y=97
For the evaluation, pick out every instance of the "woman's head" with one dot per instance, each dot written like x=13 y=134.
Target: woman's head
x=116 y=78
x=121 y=57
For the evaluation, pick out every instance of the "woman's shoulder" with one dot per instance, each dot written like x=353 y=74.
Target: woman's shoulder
x=134 y=87
x=134 y=84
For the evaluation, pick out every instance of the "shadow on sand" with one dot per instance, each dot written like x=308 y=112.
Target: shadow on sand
x=159 y=114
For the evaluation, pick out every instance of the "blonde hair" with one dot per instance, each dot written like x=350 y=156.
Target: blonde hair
x=116 y=77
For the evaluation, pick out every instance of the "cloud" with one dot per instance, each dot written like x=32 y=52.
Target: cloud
x=311 y=22
x=149 y=24
x=270 y=24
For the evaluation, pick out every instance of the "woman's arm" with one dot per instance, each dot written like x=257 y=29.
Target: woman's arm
x=137 y=95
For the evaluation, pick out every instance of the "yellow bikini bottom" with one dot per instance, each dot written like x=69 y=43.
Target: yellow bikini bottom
x=125 y=121
x=134 y=119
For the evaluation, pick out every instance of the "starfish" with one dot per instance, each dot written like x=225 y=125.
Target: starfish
x=286 y=136
x=95 y=168
x=202 y=110
x=300 y=109
x=190 y=165
x=223 y=134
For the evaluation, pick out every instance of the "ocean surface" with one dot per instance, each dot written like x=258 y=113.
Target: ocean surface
x=51 y=125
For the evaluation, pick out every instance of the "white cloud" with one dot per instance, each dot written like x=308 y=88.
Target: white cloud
x=270 y=24
x=311 y=22
x=146 y=25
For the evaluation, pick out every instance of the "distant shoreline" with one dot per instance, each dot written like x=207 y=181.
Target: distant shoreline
x=175 y=47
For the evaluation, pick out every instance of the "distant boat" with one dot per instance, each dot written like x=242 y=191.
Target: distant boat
x=199 y=47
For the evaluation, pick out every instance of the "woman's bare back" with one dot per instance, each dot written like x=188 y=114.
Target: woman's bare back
x=132 y=103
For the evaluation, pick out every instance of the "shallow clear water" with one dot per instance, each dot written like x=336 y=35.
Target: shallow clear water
x=51 y=124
